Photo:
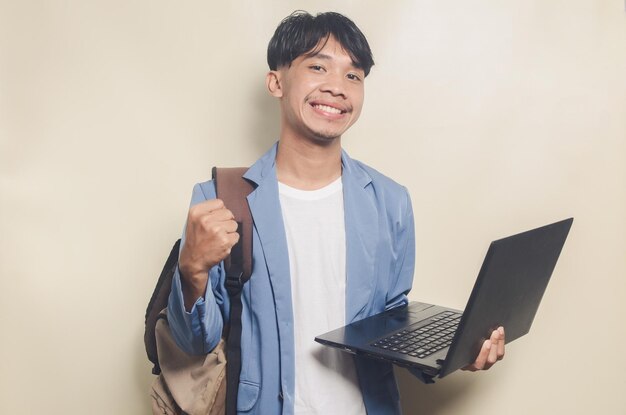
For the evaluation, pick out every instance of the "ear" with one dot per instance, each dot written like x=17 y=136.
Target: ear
x=273 y=84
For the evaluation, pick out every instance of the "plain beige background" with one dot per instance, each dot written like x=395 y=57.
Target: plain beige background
x=498 y=116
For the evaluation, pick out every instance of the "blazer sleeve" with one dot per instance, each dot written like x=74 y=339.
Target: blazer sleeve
x=199 y=330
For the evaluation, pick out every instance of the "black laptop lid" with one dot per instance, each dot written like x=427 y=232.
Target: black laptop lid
x=508 y=290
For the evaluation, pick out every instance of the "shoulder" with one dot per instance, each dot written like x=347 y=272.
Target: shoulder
x=203 y=191
x=383 y=186
x=391 y=199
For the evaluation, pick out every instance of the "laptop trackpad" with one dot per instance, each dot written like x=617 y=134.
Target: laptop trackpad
x=394 y=319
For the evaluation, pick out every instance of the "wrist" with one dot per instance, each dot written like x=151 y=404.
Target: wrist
x=196 y=279
x=191 y=271
x=193 y=286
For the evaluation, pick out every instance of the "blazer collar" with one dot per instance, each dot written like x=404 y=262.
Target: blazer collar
x=264 y=166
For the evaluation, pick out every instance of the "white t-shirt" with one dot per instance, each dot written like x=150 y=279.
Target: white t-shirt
x=326 y=381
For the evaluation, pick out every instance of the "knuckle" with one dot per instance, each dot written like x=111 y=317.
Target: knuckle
x=231 y=225
x=223 y=240
x=206 y=224
x=193 y=213
x=217 y=204
x=215 y=231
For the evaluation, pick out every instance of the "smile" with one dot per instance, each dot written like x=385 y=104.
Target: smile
x=326 y=108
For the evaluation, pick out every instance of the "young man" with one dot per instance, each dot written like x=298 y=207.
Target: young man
x=333 y=241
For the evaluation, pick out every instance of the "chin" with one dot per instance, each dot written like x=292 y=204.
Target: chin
x=327 y=135
x=325 y=138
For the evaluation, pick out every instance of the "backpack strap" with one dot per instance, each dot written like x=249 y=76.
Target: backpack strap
x=233 y=189
x=158 y=302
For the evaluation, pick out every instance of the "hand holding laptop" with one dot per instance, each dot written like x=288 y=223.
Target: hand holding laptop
x=491 y=351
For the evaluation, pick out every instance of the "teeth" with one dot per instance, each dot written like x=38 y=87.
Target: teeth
x=326 y=108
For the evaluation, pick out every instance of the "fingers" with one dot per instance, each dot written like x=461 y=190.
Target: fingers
x=491 y=351
x=222 y=214
x=209 y=205
x=481 y=359
x=213 y=217
x=210 y=235
x=233 y=238
x=217 y=222
x=501 y=350
x=214 y=207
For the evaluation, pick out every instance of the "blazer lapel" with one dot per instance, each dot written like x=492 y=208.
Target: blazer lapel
x=268 y=221
x=361 y=221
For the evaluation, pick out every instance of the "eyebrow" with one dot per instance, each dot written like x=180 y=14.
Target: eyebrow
x=328 y=57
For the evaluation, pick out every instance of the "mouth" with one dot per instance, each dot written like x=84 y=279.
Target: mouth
x=328 y=108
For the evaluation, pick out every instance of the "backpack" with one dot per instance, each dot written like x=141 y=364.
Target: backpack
x=204 y=384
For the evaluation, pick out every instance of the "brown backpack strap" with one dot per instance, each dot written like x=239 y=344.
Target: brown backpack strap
x=233 y=189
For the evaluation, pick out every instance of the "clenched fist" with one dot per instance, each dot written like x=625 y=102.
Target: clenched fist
x=210 y=235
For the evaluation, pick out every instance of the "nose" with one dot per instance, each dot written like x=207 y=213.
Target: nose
x=334 y=85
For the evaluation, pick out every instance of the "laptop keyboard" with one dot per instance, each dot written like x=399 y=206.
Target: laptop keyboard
x=425 y=340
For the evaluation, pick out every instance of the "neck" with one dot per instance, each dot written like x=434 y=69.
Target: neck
x=307 y=165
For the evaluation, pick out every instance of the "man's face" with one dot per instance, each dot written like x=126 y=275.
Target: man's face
x=321 y=96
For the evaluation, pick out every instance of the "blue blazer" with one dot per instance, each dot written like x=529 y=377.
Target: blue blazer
x=380 y=259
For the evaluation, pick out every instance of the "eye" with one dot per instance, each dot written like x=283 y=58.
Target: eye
x=316 y=68
x=353 y=77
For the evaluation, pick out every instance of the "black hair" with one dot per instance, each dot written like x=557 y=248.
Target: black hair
x=299 y=33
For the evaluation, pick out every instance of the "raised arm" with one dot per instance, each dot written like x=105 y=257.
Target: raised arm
x=198 y=295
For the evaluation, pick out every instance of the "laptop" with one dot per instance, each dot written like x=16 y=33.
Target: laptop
x=438 y=340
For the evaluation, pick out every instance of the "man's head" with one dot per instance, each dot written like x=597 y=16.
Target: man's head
x=301 y=33
x=318 y=67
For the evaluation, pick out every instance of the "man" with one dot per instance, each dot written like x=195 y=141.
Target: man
x=333 y=240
